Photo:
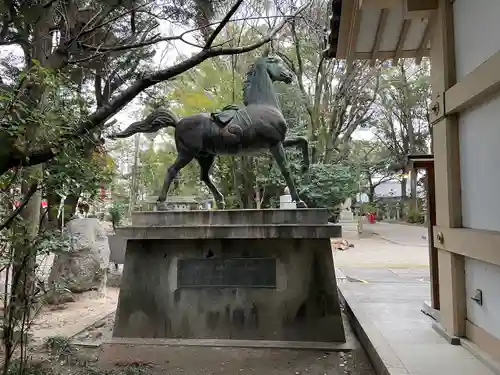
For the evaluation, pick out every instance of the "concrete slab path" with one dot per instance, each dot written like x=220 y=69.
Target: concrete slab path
x=384 y=280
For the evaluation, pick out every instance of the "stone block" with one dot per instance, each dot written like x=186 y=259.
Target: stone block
x=117 y=245
x=230 y=217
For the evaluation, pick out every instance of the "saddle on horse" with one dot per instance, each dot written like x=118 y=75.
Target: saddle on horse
x=224 y=119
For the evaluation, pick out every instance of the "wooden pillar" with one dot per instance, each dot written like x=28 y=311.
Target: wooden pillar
x=447 y=172
x=431 y=222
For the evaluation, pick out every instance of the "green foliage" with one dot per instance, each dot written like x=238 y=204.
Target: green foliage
x=206 y=88
x=47 y=114
x=153 y=166
x=326 y=185
x=73 y=172
x=116 y=213
x=56 y=113
x=52 y=241
x=414 y=216
x=402 y=109
x=368 y=208
x=59 y=345
x=18 y=368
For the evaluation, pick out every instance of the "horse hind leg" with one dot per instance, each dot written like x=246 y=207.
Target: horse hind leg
x=179 y=163
x=279 y=155
x=206 y=162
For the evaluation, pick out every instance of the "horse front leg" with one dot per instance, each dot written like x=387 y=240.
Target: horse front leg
x=278 y=153
x=179 y=163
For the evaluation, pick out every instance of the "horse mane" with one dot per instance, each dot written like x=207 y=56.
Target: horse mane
x=253 y=86
x=248 y=83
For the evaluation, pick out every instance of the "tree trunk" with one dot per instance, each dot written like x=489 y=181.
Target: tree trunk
x=403 y=198
x=371 y=193
x=133 y=188
x=411 y=135
x=403 y=188
x=21 y=303
x=413 y=182
x=53 y=202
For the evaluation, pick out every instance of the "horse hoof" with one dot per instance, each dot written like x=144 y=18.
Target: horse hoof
x=301 y=204
x=220 y=205
x=161 y=206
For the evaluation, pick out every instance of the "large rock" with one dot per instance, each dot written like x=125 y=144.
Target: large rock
x=84 y=267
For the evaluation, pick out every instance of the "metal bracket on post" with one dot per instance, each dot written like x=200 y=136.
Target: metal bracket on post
x=478 y=297
x=437 y=109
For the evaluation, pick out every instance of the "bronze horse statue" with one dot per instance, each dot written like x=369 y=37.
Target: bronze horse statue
x=257 y=126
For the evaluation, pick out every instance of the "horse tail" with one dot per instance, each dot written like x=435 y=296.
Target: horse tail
x=156 y=120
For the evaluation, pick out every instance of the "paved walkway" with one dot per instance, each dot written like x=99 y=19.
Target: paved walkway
x=402 y=234
x=376 y=252
x=384 y=280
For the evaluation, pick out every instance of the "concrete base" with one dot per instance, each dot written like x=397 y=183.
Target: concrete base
x=302 y=305
x=155 y=351
x=226 y=357
x=259 y=344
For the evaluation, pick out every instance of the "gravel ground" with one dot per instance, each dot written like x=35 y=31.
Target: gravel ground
x=232 y=361
x=236 y=361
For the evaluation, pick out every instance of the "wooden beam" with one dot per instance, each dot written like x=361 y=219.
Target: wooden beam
x=380 y=4
x=477 y=86
x=418 y=9
x=425 y=38
x=401 y=42
x=431 y=221
x=447 y=172
x=483 y=340
x=353 y=36
x=345 y=27
x=477 y=244
x=419 y=5
x=426 y=162
x=382 y=22
x=387 y=55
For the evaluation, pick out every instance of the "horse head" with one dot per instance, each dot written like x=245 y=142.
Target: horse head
x=277 y=70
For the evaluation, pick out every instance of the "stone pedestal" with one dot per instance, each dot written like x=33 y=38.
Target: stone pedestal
x=246 y=276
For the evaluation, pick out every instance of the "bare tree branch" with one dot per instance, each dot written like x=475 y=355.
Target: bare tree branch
x=121 y=15
x=222 y=24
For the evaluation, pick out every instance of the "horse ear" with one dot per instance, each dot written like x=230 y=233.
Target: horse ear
x=266 y=51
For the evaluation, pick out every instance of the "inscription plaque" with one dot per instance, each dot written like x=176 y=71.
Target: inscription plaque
x=226 y=273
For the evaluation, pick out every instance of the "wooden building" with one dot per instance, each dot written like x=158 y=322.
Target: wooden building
x=460 y=38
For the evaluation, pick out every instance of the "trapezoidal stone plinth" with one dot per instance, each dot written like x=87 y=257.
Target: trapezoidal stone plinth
x=216 y=276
